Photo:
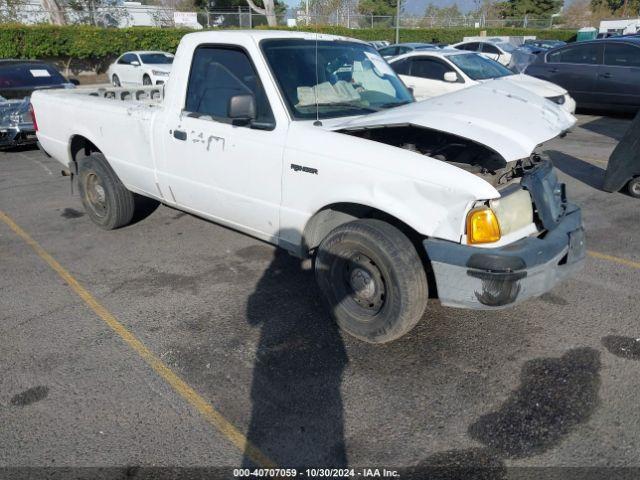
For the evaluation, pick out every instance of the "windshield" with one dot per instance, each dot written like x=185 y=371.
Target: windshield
x=478 y=67
x=156 y=58
x=27 y=75
x=351 y=78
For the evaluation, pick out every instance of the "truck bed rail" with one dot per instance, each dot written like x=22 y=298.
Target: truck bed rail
x=154 y=94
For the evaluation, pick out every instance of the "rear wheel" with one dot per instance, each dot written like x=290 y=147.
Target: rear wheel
x=633 y=187
x=107 y=202
x=115 y=80
x=146 y=80
x=372 y=279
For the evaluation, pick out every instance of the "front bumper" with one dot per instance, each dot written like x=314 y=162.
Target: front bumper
x=17 y=135
x=484 y=278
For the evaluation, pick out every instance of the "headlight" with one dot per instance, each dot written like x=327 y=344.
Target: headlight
x=482 y=226
x=558 y=100
x=160 y=73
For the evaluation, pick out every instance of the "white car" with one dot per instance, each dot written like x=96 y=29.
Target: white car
x=498 y=51
x=430 y=73
x=140 y=68
x=312 y=142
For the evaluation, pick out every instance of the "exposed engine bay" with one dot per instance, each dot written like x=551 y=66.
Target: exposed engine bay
x=459 y=151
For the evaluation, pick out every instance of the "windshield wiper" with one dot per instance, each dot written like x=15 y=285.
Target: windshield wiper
x=393 y=104
x=345 y=104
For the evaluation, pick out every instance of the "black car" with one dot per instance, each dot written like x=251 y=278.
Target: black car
x=597 y=73
x=18 y=79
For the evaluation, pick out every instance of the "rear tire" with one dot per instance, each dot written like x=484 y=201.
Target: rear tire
x=372 y=279
x=106 y=200
x=115 y=81
x=633 y=187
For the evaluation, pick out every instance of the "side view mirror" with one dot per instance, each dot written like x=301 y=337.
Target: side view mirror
x=242 y=109
x=450 y=77
x=74 y=81
x=135 y=63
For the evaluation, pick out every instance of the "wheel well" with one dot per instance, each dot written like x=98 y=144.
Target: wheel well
x=332 y=216
x=81 y=146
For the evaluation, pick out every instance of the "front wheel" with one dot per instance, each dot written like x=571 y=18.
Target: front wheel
x=633 y=187
x=372 y=279
x=115 y=80
x=146 y=80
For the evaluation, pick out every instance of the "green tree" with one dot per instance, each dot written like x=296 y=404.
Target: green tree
x=377 y=7
x=538 y=8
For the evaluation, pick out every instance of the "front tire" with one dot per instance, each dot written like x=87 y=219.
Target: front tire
x=372 y=279
x=146 y=80
x=115 y=80
x=106 y=200
x=633 y=187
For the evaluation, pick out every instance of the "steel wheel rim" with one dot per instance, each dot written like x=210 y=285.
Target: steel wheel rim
x=95 y=194
x=364 y=283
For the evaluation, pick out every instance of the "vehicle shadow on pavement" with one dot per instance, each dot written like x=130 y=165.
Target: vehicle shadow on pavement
x=582 y=171
x=554 y=397
x=613 y=127
x=297 y=409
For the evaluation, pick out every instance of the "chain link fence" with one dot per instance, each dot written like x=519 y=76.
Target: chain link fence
x=100 y=13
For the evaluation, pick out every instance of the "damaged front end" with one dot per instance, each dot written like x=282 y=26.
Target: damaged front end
x=458 y=151
x=485 y=278
x=16 y=123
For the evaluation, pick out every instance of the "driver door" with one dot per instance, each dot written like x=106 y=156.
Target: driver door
x=213 y=167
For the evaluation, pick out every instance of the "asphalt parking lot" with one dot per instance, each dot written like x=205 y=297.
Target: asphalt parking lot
x=173 y=341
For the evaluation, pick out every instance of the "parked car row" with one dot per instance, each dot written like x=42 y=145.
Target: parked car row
x=435 y=72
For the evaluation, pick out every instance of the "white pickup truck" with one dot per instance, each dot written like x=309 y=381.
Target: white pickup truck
x=312 y=143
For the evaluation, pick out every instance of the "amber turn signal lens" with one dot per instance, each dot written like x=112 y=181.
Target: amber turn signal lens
x=482 y=226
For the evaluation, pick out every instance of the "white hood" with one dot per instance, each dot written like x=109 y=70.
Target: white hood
x=501 y=115
x=537 y=86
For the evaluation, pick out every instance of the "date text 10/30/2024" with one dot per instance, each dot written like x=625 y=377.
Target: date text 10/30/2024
x=315 y=473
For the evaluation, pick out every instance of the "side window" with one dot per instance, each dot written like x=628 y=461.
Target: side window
x=401 y=67
x=125 y=59
x=586 y=53
x=389 y=51
x=487 y=48
x=402 y=50
x=621 y=55
x=219 y=73
x=471 y=47
x=429 y=68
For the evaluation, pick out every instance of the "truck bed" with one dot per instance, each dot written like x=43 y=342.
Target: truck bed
x=148 y=94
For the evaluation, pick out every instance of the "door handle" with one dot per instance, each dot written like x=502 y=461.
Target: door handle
x=180 y=135
x=605 y=75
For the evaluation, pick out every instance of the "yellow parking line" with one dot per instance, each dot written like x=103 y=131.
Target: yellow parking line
x=611 y=258
x=180 y=386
